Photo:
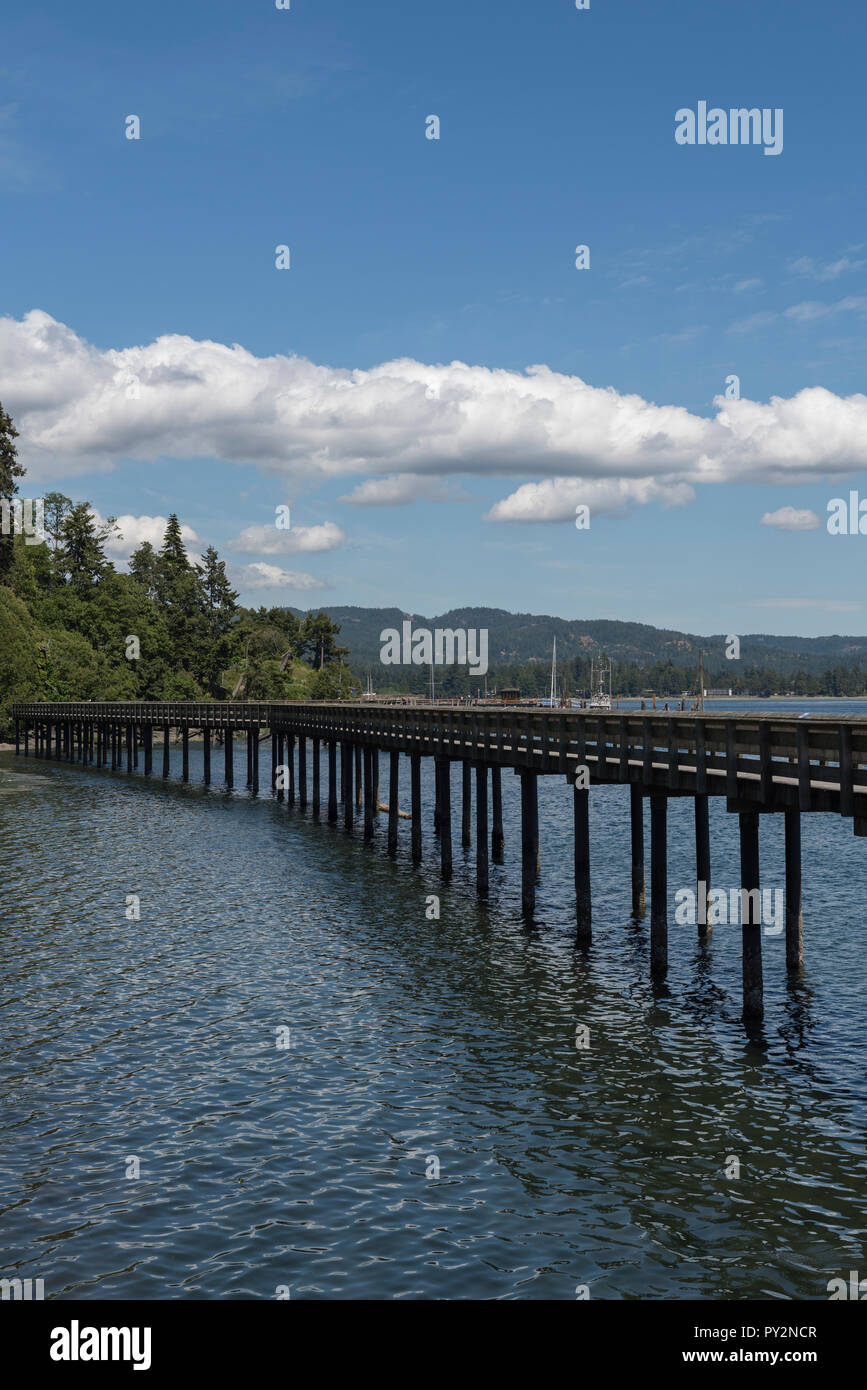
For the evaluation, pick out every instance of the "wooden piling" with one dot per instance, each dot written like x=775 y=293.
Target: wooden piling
x=228 y=759
x=393 y=792
x=636 y=820
x=17 y=739
x=702 y=863
x=415 y=797
x=206 y=755
x=302 y=772
x=332 y=781
x=348 y=761
x=466 y=805
x=185 y=746
x=128 y=747
x=481 y=830
x=148 y=733
x=275 y=754
x=367 y=761
x=794 y=916
x=253 y=737
x=583 y=906
x=498 y=841
x=751 y=930
x=166 y=750
x=445 y=808
x=290 y=763
x=658 y=885
x=359 y=787
x=316 y=779
x=529 y=840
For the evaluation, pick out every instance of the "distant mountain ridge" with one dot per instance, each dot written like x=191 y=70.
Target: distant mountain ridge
x=520 y=638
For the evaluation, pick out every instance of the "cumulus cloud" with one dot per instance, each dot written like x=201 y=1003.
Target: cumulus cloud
x=134 y=530
x=270 y=540
x=260 y=575
x=80 y=408
x=791 y=519
x=398 y=490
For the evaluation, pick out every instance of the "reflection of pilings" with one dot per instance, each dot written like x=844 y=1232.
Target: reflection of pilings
x=636 y=816
x=466 y=805
x=581 y=802
x=393 y=785
x=658 y=885
x=415 y=793
x=498 y=841
x=751 y=916
x=332 y=781
x=794 y=918
x=481 y=829
x=445 y=809
x=529 y=841
x=702 y=861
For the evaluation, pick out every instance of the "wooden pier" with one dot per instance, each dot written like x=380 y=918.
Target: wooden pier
x=761 y=763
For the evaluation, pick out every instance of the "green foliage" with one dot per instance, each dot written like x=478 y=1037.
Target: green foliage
x=66 y=617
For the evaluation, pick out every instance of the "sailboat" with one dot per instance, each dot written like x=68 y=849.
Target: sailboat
x=600 y=698
x=552 y=702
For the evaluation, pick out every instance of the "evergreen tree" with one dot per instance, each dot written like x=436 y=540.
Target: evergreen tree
x=10 y=470
x=144 y=566
x=81 y=560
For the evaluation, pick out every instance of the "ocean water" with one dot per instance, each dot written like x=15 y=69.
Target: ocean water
x=430 y=1129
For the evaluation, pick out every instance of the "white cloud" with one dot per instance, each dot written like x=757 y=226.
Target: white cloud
x=260 y=575
x=134 y=530
x=405 y=419
x=270 y=540
x=743 y=285
x=397 y=491
x=791 y=519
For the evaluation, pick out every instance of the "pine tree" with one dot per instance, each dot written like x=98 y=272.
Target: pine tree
x=10 y=470
x=81 y=559
x=144 y=566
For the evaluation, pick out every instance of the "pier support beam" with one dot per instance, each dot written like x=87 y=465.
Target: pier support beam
x=332 y=781
x=302 y=772
x=702 y=862
x=185 y=745
x=290 y=763
x=794 y=917
x=415 y=794
x=445 y=809
x=583 y=910
x=26 y=738
x=374 y=772
x=316 y=779
x=229 y=759
x=358 y=777
x=253 y=737
x=128 y=746
x=466 y=805
x=498 y=842
x=148 y=732
x=17 y=739
x=751 y=915
x=206 y=755
x=529 y=841
x=481 y=830
x=658 y=885
x=636 y=817
x=166 y=750
x=347 y=763
x=393 y=787
x=367 y=759
x=275 y=757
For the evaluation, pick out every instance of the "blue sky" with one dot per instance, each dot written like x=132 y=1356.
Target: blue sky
x=306 y=128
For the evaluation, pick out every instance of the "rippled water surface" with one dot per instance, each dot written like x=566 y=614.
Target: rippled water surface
x=411 y=1040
